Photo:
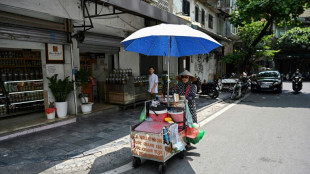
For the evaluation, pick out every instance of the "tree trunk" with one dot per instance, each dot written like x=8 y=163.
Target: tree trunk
x=254 y=43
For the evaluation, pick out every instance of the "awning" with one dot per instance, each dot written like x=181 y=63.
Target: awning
x=143 y=9
x=98 y=43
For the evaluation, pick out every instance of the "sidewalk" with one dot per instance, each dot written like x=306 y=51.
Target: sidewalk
x=84 y=142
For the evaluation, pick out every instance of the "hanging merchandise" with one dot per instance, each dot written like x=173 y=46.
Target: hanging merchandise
x=175 y=138
x=198 y=137
x=192 y=132
x=142 y=115
x=188 y=115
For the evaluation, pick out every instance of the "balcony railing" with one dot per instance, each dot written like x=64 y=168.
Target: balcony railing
x=162 y=4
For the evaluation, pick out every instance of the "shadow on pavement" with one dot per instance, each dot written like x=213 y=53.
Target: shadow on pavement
x=108 y=161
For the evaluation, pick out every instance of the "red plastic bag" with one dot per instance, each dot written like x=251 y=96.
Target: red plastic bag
x=49 y=110
x=192 y=132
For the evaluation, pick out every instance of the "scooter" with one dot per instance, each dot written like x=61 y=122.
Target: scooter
x=239 y=89
x=198 y=84
x=210 y=89
x=297 y=83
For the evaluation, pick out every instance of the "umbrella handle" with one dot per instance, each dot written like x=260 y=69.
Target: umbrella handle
x=155 y=113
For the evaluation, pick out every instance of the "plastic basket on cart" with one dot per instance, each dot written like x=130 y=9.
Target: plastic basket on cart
x=159 y=113
x=178 y=117
x=158 y=116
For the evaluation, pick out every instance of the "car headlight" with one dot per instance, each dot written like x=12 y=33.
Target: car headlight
x=277 y=83
x=254 y=82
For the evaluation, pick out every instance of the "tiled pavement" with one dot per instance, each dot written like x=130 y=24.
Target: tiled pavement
x=73 y=140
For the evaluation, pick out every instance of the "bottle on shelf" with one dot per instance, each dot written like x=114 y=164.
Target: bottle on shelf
x=40 y=74
x=26 y=75
x=31 y=75
x=16 y=75
x=21 y=75
x=10 y=75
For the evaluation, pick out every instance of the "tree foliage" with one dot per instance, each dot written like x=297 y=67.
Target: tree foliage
x=267 y=12
x=256 y=10
x=295 y=37
x=247 y=34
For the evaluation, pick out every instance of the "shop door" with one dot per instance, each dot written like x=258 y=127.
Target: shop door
x=146 y=62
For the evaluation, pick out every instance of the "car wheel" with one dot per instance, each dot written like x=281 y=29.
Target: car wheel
x=253 y=90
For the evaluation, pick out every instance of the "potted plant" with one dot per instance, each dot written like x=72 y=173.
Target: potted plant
x=82 y=78
x=60 y=89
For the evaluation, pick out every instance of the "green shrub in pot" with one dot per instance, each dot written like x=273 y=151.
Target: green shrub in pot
x=60 y=88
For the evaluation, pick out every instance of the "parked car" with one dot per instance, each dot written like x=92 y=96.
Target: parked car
x=267 y=81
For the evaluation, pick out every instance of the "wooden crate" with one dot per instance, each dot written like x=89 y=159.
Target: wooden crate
x=121 y=98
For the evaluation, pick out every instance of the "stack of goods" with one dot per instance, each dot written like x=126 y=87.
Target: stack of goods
x=119 y=76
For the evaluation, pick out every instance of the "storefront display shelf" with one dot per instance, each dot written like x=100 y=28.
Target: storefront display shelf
x=25 y=91
x=11 y=66
x=26 y=102
x=6 y=115
x=22 y=112
x=39 y=80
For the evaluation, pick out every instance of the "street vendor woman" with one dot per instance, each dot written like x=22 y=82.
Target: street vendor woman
x=187 y=89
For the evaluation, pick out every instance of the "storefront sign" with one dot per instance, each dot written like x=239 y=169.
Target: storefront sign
x=55 y=53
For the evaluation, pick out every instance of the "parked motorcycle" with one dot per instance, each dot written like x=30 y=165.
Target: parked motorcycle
x=198 y=84
x=210 y=89
x=297 y=83
x=239 y=89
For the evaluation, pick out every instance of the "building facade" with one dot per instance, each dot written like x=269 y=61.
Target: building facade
x=88 y=35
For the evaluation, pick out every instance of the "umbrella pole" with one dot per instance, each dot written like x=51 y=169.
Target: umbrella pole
x=168 y=80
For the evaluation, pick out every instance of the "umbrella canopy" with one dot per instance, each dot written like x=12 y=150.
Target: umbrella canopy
x=170 y=40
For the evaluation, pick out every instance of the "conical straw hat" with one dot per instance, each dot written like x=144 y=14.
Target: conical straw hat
x=186 y=73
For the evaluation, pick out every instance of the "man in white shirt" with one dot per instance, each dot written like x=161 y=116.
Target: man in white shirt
x=153 y=84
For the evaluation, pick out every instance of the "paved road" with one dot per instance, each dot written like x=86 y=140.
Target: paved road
x=265 y=133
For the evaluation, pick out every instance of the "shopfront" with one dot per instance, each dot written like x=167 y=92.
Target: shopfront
x=24 y=92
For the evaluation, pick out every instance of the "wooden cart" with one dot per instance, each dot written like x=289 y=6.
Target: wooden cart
x=151 y=146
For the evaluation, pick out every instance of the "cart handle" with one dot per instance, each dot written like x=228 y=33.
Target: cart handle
x=154 y=112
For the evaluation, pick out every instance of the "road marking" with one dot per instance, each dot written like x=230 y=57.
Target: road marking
x=128 y=166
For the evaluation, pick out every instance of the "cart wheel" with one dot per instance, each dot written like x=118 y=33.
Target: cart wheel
x=182 y=154
x=136 y=162
x=162 y=168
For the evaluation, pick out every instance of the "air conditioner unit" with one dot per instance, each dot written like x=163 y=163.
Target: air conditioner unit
x=218 y=5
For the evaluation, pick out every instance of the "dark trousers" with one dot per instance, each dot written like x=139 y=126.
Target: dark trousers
x=151 y=96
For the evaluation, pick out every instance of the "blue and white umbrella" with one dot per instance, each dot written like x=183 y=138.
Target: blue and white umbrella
x=169 y=40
